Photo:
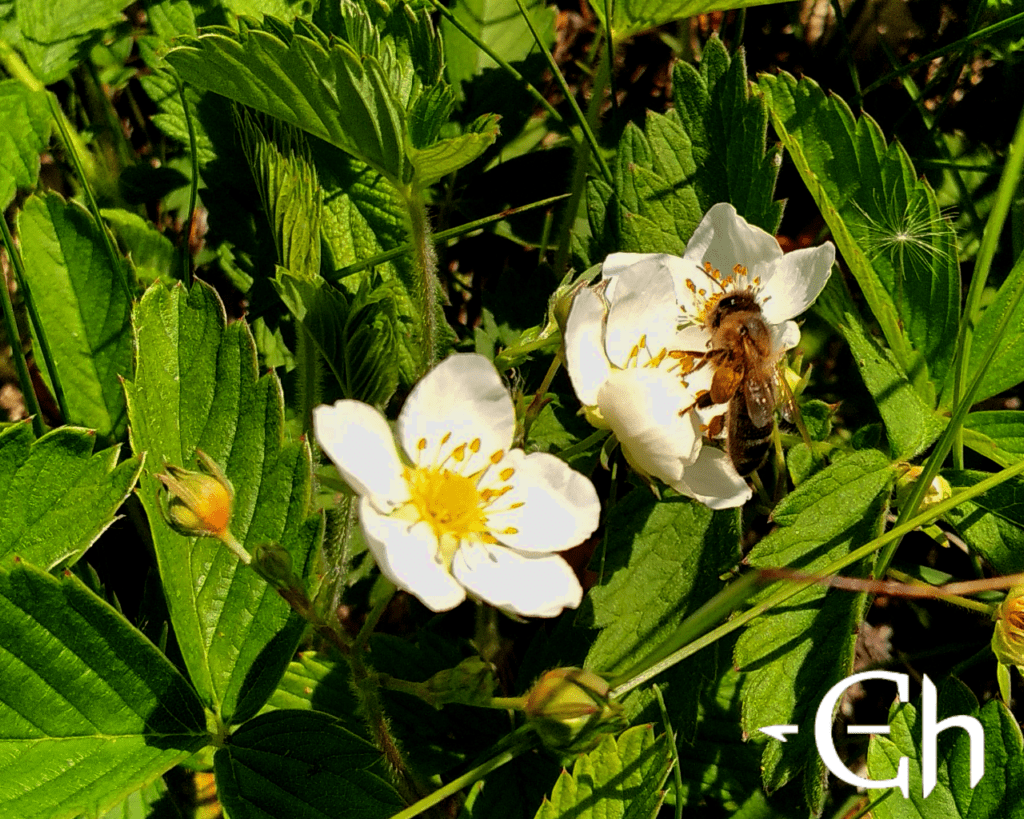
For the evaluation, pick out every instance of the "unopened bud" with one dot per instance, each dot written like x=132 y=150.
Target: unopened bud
x=938 y=491
x=569 y=708
x=198 y=503
x=274 y=564
x=1008 y=638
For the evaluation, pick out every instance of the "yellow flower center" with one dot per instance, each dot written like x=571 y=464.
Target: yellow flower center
x=449 y=502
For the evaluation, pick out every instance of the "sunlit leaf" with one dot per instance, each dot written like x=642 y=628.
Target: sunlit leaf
x=727 y=126
x=631 y=16
x=26 y=118
x=620 y=779
x=90 y=710
x=998 y=435
x=884 y=219
x=795 y=652
x=662 y=563
x=84 y=306
x=56 y=496
x=910 y=424
x=992 y=523
x=196 y=387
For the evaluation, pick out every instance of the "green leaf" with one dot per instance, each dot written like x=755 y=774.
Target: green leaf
x=448 y=155
x=303 y=765
x=54 y=35
x=910 y=423
x=992 y=523
x=998 y=435
x=356 y=341
x=620 y=779
x=90 y=710
x=315 y=682
x=150 y=802
x=323 y=87
x=662 y=563
x=632 y=16
x=26 y=131
x=364 y=216
x=884 y=219
x=84 y=307
x=500 y=25
x=794 y=653
x=196 y=387
x=654 y=207
x=1005 y=370
x=997 y=794
x=727 y=127
x=56 y=496
x=147 y=247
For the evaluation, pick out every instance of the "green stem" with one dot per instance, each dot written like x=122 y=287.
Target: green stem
x=570 y=98
x=373 y=618
x=995 y=28
x=596 y=437
x=794 y=587
x=441 y=236
x=949 y=434
x=309 y=364
x=14 y=337
x=537 y=404
x=983 y=264
x=524 y=744
x=425 y=264
x=193 y=188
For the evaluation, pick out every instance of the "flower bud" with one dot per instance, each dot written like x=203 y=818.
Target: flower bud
x=274 y=564
x=938 y=491
x=569 y=708
x=1008 y=638
x=471 y=682
x=198 y=503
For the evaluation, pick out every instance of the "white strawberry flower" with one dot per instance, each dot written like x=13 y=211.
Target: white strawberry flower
x=727 y=254
x=452 y=509
x=623 y=351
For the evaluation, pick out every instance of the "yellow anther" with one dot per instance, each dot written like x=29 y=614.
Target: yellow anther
x=459 y=452
x=497 y=456
x=510 y=530
x=474 y=445
x=702 y=292
x=643 y=341
x=421 y=444
x=517 y=504
x=739 y=270
x=757 y=280
x=507 y=473
x=447 y=435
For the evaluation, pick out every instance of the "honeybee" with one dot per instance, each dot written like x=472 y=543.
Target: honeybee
x=744 y=376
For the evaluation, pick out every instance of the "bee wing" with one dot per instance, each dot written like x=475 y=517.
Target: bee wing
x=759 y=391
x=725 y=382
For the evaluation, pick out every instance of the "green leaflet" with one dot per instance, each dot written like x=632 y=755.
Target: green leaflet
x=662 y=563
x=84 y=307
x=620 y=779
x=355 y=337
x=630 y=17
x=998 y=435
x=53 y=34
x=56 y=496
x=653 y=207
x=196 y=387
x=997 y=794
x=151 y=252
x=910 y=423
x=357 y=94
x=315 y=682
x=26 y=131
x=794 y=653
x=363 y=216
x=149 y=802
x=89 y=709
x=303 y=765
x=993 y=523
x=727 y=127
x=884 y=219
x=499 y=24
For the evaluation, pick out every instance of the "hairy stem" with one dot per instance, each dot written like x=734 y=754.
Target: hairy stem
x=425 y=264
